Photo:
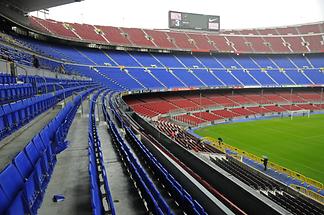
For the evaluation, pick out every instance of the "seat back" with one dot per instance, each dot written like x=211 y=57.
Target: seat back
x=11 y=181
x=23 y=164
x=32 y=152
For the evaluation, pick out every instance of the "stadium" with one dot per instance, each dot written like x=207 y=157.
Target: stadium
x=192 y=119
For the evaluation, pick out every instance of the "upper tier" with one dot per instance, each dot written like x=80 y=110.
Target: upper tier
x=308 y=38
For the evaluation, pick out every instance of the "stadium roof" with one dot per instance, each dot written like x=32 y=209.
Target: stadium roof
x=34 y=5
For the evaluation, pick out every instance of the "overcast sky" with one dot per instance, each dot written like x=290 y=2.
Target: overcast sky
x=154 y=14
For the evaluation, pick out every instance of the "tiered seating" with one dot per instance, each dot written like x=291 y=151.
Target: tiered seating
x=7 y=79
x=14 y=92
x=258 y=44
x=15 y=115
x=145 y=78
x=23 y=182
x=258 y=99
x=57 y=28
x=274 y=108
x=259 y=110
x=201 y=101
x=310 y=96
x=291 y=107
x=275 y=98
x=201 y=41
x=240 y=99
x=181 y=40
x=114 y=35
x=256 y=181
x=242 y=111
x=239 y=44
x=225 y=113
x=277 y=44
x=185 y=104
x=207 y=116
x=294 y=204
x=244 y=78
x=186 y=203
x=244 y=41
x=226 y=78
x=160 y=106
x=143 y=111
x=311 y=28
x=138 y=37
x=161 y=39
x=296 y=44
x=167 y=78
x=152 y=197
x=222 y=100
x=308 y=106
x=192 y=120
x=207 y=77
x=97 y=169
x=292 y=97
x=183 y=138
x=298 y=77
x=87 y=32
x=315 y=43
x=189 y=79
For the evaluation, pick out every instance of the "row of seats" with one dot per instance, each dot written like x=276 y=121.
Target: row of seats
x=257 y=181
x=148 y=105
x=140 y=71
x=178 y=193
x=7 y=79
x=294 y=204
x=54 y=86
x=23 y=182
x=39 y=79
x=198 y=118
x=25 y=58
x=97 y=170
x=284 y=178
x=14 y=115
x=185 y=201
x=183 y=138
x=14 y=92
x=154 y=202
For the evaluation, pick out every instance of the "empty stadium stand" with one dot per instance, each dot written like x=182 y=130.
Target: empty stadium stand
x=291 y=39
x=172 y=81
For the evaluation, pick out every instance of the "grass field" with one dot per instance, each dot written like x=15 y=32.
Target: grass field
x=296 y=144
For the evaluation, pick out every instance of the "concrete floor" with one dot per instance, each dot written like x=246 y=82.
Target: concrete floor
x=125 y=196
x=71 y=176
x=16 y=142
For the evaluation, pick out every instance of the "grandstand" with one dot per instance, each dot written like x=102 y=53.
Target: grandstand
x=105 y=124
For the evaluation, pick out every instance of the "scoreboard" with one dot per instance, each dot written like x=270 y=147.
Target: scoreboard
x=192 y=21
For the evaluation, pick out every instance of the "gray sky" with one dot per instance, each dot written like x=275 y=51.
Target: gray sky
x=154 y=14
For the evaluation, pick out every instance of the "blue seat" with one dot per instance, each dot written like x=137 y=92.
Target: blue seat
x=2 y=124
x=23 y=164
x=38 y=143
x=22 y=113
x=32 y=153
x=15 y=107
x=8 y=117
x=4 y=201
x=17 y=206
x=32 y=193
x=11 y=181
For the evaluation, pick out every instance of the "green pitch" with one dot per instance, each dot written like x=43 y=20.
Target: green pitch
x=296 y=144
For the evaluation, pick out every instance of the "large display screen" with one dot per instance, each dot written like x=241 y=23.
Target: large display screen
x=192 y=21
